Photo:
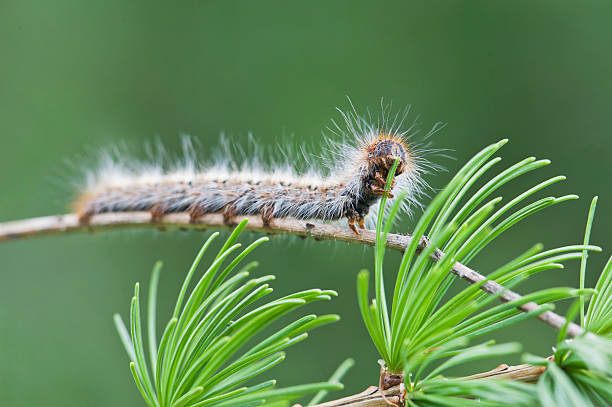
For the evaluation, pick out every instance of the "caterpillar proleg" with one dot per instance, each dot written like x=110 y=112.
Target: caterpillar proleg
x=348 y=185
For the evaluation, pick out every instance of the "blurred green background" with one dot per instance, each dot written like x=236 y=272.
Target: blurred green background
x=78 y=76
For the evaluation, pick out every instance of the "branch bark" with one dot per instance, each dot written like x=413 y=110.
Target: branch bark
x=371 y=397
x=68 y=223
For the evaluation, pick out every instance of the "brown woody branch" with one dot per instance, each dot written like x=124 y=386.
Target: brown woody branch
x=68 y=223
x=371 y=397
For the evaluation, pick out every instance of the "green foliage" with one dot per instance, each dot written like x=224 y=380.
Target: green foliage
x=425 y=334
x=598 y=318
x=585 y=254
x=480 y=392
x=420 y=320
x=599 y=314
x=421 y=334
x=580 y=371
x=434 y=389
x=578 y=374
x=197 y=361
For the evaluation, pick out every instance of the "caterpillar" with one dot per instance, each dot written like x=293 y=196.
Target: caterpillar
x=348 y=185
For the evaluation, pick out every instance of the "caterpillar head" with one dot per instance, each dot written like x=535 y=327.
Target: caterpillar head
x=383 y=152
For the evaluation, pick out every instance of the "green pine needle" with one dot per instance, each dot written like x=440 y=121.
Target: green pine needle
x=585 y=255
x=200 y=360
x=418 y=320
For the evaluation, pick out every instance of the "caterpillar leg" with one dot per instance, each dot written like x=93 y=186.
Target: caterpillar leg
x=266 y=214
x=378 y=186
x=228 y=212
x=195 y=212
x=353 y=216
x=84 y=218
x=351 y=224
x=382 y=181
x=381 y=191
x=360 y=222
x=157 y=211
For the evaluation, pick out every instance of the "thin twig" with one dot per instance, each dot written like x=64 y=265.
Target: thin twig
x=522 y=373
x=60 y=224
x=371 y=397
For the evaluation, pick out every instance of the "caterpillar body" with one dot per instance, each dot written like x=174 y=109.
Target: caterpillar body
x=358 y=166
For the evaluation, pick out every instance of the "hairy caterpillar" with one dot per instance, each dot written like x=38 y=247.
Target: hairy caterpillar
x=358 y=161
